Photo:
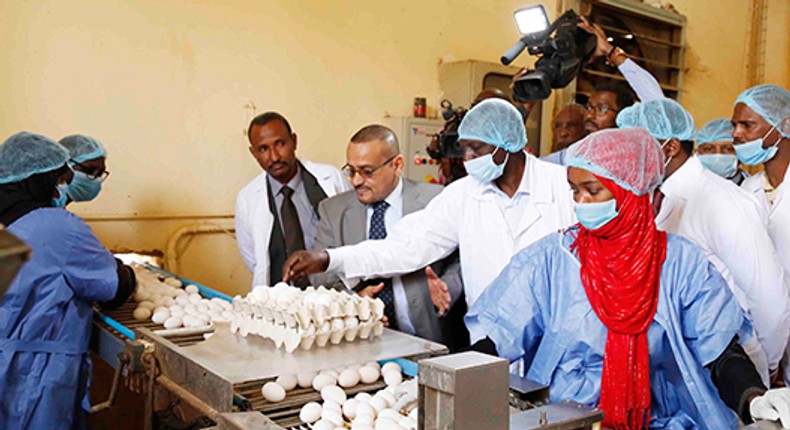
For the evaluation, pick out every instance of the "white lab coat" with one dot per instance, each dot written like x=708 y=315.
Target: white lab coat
x=778 y=215
x=464 y=216
x=731 y=229
x=254 y=220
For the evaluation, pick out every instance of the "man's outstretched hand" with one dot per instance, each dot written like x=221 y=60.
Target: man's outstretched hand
x=303 y=263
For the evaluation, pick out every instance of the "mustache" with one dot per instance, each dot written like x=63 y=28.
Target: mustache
x=592 y=123
x=277 y=164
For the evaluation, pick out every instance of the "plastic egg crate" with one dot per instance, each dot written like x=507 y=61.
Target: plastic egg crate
x=294 y=318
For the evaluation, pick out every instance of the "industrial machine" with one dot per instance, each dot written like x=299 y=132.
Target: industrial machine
x=13 y=254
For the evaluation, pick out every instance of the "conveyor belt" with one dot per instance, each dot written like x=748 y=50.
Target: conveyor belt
x=286 y=412
x=123 y=317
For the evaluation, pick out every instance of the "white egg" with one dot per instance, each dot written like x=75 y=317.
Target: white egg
x=173 y=282
x=331 y=372
x=321 y=381
x=348 y=378
x=180 y=293
x=388 y=397
x=393 y=378
x=287 y=381
x=333 y=393
x=391 y=366
x=173 y=322
x=386 y=424
x=201 y=307
x=305 y=379
x=390 y=413
x=182 y=300
x=332 y=415
x=368 y=375
x=141 y=313
x=273 y=392
x=177 y=312
x=160 y=316
x=364 y=419
x=147 y=304
x=310 y=412
x=330 y=404
x=408 y=423
x=195 y=298
x=350 y=408
x=378 y=404
x=324 y=425
x=363 y=397
x=365 y=409
x=191 y=289
x=373 y=364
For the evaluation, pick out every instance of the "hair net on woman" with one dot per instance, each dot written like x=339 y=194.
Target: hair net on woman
x=771 y=102
x=630 y=157
x=26 y=154
x=495 y=122
x=663 y=118
x=83 y=148
x=715 y=130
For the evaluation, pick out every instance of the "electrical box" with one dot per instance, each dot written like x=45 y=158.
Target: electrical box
x=414 y=135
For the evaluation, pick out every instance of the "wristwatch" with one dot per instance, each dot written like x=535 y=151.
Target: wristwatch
x=614 y=53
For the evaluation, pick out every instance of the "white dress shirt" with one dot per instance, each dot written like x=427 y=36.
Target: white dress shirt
x=308 y=219
x=393 y=214
x=729 y=226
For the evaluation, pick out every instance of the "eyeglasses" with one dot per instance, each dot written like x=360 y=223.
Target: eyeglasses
x=366 y=173
x=600 y=109
x=91 y=172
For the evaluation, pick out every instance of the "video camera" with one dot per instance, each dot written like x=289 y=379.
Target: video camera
x=446 y=144
x=561 y=56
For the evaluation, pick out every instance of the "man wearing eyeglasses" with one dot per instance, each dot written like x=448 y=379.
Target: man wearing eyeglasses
x=381 y=197
x=277 y=213
x=88 y=160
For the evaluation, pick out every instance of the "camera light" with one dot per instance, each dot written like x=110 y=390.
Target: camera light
x=531 y=19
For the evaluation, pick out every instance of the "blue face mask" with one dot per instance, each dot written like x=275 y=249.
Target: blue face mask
x=484 y=169
x=595 y=215
x=83 y=188
x=724 y=165
x=62 y=199
x=752 y=152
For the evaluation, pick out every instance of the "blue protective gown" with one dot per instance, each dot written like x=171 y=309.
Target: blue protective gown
x=537 y=309
x=45 y=321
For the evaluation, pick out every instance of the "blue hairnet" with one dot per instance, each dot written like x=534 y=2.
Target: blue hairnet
x=83 y=148
x=718 y=129
x=26 y=154
x=770 y=102
x=495 y=122
x=630 y=157
x=664 y=118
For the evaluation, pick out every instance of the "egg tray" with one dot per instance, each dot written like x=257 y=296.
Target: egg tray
x=286 y=412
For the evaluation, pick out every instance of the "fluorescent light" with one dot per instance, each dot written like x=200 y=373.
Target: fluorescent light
x=531 y=19
x=629 y=36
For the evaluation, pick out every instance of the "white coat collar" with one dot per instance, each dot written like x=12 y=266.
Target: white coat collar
x=681 y=183
x=532 y=183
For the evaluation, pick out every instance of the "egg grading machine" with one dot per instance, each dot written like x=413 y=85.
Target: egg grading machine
x=225 y=373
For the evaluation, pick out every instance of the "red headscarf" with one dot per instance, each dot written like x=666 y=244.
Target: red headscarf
x=620 y=270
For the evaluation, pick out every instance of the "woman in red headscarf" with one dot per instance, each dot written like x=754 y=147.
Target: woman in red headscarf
x=613 y=313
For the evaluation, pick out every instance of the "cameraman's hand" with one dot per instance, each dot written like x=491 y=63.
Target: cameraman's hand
x=603 y=48
x=527 y=105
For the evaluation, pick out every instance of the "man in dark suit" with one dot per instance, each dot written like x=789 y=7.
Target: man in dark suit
x=380 y=198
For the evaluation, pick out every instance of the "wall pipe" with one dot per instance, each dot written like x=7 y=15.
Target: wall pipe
x=171 y=250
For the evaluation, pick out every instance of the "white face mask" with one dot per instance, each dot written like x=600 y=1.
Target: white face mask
x=752 y=152
x=484 y=169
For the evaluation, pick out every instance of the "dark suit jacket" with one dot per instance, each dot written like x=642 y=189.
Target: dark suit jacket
x=344 y=222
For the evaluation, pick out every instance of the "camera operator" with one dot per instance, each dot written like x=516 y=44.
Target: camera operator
x=609 y=98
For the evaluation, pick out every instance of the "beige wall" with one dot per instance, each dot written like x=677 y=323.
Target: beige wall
x=164 y=85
